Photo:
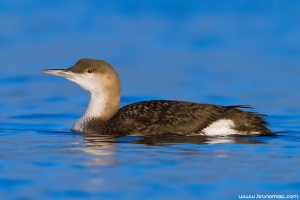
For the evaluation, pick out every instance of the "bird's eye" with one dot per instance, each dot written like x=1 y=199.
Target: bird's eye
x=89 y=70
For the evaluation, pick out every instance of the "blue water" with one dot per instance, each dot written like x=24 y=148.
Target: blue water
x=227 y=53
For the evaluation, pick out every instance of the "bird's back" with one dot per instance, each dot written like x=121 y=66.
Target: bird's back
x=183 y=118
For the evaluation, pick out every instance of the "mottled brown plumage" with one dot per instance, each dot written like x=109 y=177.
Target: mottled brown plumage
x=175 y=117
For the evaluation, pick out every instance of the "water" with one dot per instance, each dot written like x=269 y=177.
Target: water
x=242 y=52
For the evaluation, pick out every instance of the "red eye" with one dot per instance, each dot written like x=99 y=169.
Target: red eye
x=89 y=70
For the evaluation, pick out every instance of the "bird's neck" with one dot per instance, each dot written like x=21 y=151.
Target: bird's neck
x=102 y=106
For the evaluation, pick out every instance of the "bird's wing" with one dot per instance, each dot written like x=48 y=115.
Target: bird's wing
x=161 y=117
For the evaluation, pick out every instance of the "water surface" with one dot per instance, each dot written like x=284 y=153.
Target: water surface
x=222 y=53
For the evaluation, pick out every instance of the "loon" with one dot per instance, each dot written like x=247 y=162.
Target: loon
x=154 y=117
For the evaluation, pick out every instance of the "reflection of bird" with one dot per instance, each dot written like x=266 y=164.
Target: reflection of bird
x=104 y=117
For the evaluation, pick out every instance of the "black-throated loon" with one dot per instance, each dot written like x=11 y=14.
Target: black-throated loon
x=104 y=117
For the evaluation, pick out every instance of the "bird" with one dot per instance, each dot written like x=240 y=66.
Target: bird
x=153 y=117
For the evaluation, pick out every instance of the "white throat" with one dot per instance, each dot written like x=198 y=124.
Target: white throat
x=102 y=106
x=98 y=107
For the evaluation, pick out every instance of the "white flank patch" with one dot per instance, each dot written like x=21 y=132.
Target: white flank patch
x=221 y=127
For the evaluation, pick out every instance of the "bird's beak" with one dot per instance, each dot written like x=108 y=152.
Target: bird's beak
x=60 y=72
